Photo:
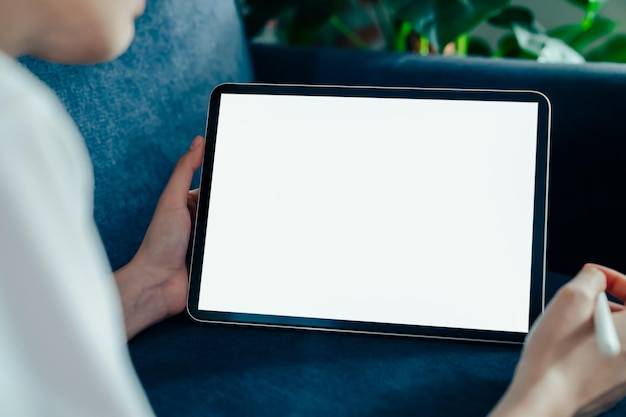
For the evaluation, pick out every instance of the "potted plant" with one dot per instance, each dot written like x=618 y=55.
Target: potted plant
x=435 y=27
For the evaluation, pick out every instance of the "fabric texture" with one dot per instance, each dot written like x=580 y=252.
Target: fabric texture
x=194 y=369
x=62 y=338
x=139 y=113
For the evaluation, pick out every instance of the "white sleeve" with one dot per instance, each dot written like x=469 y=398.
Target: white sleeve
x=62 y=342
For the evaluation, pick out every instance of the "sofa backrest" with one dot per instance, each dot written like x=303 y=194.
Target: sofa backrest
x=139 y=113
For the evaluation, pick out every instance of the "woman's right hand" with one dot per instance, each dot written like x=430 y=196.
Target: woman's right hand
x=561 y=371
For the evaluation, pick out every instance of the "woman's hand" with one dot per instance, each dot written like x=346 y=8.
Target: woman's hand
x=154 y=285
x=561 y=371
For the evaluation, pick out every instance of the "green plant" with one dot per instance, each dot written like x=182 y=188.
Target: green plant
x=436 y=26
x=569 y=43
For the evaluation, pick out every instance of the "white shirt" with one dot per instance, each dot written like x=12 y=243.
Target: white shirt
x=62 y=341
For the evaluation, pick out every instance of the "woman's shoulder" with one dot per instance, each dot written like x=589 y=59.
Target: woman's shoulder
x=25 y=99
x=31 y=115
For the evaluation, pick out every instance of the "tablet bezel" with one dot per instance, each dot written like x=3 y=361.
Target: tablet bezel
x=538 y=265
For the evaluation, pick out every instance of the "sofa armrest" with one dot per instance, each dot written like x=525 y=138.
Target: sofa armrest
x=587 y=199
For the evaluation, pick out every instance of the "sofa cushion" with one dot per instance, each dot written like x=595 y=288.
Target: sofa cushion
x=197 y=369
x=139 y=113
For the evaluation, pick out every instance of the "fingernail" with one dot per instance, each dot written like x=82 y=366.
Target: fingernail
x=593 y=271
x=196 y=142
x=591 y=268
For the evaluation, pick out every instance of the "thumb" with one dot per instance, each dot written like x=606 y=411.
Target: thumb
x=571 y=308
x=574 y=303
x=177 y=189
x=615 y=281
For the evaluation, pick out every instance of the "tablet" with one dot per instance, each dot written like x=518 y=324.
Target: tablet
x=416 y=212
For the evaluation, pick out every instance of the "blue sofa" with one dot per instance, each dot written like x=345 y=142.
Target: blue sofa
x=138 y=115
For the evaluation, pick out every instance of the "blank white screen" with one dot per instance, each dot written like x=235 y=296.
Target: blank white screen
x=385 y=210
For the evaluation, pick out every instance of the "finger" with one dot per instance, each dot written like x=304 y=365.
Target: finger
x=615 y=281
x=192 y=205
x=177 y=190
x=616 y=308
x=587 y=284
x=575 y=302
x=193 y=194
x=619 y=318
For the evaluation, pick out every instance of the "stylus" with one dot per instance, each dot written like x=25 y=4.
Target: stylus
x=606 y=334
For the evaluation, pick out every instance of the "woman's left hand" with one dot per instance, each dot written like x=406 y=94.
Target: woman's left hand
x=154 y=285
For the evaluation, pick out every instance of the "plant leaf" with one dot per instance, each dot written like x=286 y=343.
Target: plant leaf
x=508 y=47
x=579 y=38
x=521 y=16
x=308 y=17
x=592 y=10
x=613 y=50
x=442 y=21
x=421 y=15
x=545 y=48
x=557 y=51
x=478 y=47
x=584 y=4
